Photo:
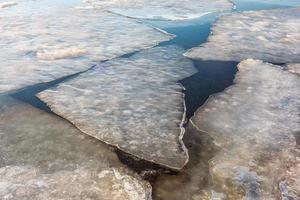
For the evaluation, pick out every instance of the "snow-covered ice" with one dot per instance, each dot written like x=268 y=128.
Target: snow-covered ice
x=255 y=123
x=41 y=45
x=132 y=103
x=162 y=9
x=271 y=35
x=45 y=157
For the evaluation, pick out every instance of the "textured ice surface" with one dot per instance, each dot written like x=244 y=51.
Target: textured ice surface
x=272 y=36
x=274 y=2
x=40 y=46
x=294 y=68
x=255 y=123
x=7 y=4
x=45 y=157
x=162 y=9
x=133 y=103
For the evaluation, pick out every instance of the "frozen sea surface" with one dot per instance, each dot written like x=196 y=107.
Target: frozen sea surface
x=271 y=35
x=41 y=45
x=132 y=103
x=44 y=157
x=255 y=123
x=162 y=9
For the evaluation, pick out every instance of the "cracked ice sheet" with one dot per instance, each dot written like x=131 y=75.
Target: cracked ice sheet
x=132 y=103
x=272 y=36
x=40 y=45
x=44 y=157
x=163 y=9
x=254 y=122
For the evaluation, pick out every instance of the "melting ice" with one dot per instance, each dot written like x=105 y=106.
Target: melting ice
x=255 y=123
x=45 y=157
x=132 y=103
x=271 y=35
x=162 y=9
x=41 y=45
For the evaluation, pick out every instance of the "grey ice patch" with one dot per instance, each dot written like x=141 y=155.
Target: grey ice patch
x=285 y=192
x=271 y=35
x=249 y=181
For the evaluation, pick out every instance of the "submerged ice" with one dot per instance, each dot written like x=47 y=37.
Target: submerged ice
x=162 y=9
x=255 y=123
x=132 y=103
x=271 y=35
x=45 y=157
x=41 y=45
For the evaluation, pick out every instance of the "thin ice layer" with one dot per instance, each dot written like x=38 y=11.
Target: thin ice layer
x=271 y=35
x=41 y=46
x=162 y=9
x=255 y=123
x=45 y=157
x=132 y=103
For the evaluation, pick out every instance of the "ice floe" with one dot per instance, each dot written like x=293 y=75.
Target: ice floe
x=162 y=9
x=255 y=123
x=271 y=35
x=40 y=46
x=132 y=103
x=45 y=157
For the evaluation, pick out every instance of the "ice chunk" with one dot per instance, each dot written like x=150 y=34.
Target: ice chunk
x=162 y=9
x=132 y=103
x=294 y=68
x=254 y=122
x=45 y=157
x=7 y=4
x=40 y=46
x=271 y=35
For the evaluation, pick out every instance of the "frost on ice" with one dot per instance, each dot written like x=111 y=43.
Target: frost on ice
x=44 y=157
x=162 y=9
x=41 y=46
x=132 y=103
x=272 y=36
x=255 y=123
